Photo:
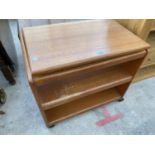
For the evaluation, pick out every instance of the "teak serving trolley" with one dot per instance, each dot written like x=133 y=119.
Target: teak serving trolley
x=74 y=67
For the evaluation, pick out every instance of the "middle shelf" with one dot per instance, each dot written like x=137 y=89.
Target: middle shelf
x=67 y=89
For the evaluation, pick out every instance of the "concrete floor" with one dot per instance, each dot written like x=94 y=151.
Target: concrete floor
x=22 y=115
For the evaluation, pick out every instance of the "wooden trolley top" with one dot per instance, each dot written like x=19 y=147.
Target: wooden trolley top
x=60 y=46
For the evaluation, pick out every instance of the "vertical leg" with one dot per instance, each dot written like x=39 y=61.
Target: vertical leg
x=8 y=74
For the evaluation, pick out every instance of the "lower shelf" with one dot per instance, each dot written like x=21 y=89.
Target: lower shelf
x=73 y=108
x=73 y=87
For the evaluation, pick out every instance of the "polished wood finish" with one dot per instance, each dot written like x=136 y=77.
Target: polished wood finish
x=150 y=59
x=145 y=73
x=140 y=27
x=72 y=89
x=57 y=48
x=81 y=105
x=144 y=28
x=153 y=26
x=74 y=67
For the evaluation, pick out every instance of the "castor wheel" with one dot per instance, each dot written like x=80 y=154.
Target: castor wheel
x=52 y=126
x=121 y=99
x=2 y=96
x=12 y=68
x=12 y=82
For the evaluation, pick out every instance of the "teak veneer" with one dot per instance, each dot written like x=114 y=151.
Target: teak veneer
x=77 y=66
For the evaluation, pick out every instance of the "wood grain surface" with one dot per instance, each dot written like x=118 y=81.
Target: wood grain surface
x=74 y=67
x=70 y=44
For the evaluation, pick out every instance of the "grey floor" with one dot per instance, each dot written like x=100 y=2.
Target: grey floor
x=22 y=115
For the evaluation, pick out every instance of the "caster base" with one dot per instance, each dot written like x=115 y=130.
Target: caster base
x=13 y=82
x=121 y=99
x=52 y=126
